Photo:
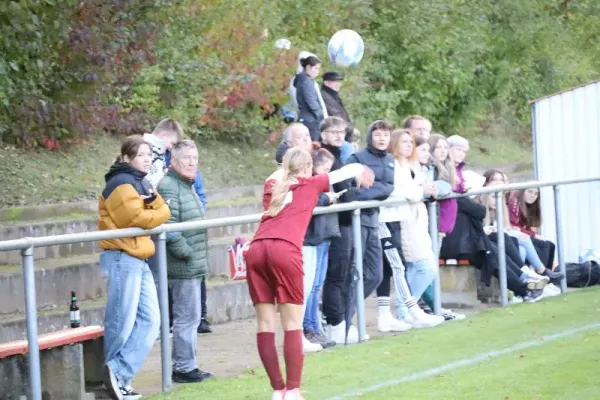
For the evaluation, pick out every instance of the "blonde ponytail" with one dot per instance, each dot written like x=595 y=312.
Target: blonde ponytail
x=295 y=161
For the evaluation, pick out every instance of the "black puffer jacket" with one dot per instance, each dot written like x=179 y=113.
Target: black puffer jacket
x=382 y=165
x=322 y=227
x=468 y=236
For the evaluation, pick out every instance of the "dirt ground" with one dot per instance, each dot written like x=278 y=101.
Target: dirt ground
x=231 y=349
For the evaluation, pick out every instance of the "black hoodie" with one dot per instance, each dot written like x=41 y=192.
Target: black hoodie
x=122 y=173
x=382 y=164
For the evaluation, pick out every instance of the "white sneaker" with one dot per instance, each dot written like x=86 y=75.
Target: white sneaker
x=552 y=290
x=424 y=320
x=293 y=394
x=336 y=333
x=450 y=315
x=277 y=395
x=309 y=347
x=127 y=393
x=353 y=335
x=387 y=323
x=515 y=300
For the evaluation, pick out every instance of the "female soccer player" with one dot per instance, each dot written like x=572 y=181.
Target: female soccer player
x=274 y=262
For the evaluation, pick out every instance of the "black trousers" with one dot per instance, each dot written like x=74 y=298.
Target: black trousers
x=335 y=288
x=545 y=250
x=372 y=269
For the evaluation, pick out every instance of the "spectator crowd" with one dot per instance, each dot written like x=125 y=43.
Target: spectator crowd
x=156 y=180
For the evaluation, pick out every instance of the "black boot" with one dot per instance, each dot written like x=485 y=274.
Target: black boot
x=204 y=327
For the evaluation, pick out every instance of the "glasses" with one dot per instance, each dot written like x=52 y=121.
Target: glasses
x=336 y=132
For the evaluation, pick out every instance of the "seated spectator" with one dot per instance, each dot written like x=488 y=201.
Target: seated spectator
x=526 y=216
x=526 y=251
x=132 y=318
x=187 y=260
x=394 y=240
x=468 y=240
x=315 y=253
x=545 y=249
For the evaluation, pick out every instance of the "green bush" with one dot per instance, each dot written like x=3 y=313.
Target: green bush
x=70 y=69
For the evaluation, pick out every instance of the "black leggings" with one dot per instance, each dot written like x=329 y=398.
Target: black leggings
x=513 y=271
x=545 y=250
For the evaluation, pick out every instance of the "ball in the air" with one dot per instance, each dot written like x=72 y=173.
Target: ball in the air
x=346 y=48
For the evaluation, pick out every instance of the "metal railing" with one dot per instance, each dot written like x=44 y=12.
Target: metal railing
x=27 y=245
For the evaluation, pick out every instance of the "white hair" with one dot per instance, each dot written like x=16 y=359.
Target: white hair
x=182 y=145
x=458 y=141
x=288 y=133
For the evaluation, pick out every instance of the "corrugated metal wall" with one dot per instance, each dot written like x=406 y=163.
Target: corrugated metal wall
x=566 y=135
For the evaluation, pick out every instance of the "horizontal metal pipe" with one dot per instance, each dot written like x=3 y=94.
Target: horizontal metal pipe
x=43 y=241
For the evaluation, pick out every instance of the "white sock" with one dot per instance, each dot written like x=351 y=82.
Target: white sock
x=383 y=305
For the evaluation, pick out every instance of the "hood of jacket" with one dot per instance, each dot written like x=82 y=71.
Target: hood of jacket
x=123 y=168
x=370 y=148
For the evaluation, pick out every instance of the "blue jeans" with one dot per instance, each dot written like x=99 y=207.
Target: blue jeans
x=132 y=318
x=311 y=315
x=529 y=253
x=419 y=275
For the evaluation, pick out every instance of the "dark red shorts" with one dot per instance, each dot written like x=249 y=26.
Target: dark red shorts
x=274 y=272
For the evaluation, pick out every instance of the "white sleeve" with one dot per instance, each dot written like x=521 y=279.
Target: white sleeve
x=346 y=172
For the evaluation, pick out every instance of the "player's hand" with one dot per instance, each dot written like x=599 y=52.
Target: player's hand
x=333 y=197
x=430 y=189
x=366 y=178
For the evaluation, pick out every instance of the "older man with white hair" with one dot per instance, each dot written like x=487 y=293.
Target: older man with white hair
x=295 y=134
x=187 y=260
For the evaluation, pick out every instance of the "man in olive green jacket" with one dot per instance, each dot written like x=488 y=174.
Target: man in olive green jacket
x=187 y=260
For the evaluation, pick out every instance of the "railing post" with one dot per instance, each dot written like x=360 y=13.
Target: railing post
x=433 y=232
x=33 y=348
x=358 y=261
x=501 y=248
x=559 y=238
x=163 y=300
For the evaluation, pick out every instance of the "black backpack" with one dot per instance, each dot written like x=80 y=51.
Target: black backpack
x=583 y=274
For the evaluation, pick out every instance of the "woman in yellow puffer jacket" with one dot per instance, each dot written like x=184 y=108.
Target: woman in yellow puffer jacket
x=132 y=318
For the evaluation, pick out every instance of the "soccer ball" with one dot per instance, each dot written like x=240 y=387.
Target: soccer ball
x=346 y=48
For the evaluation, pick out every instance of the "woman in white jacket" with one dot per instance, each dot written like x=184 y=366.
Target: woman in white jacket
x=397 y=245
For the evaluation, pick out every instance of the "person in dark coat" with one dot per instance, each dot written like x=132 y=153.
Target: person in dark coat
x=376 y=157
x=332 y=83
x=310 y=110
x=335 y=289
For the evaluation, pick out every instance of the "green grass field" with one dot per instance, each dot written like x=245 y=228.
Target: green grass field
x=564 y=366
